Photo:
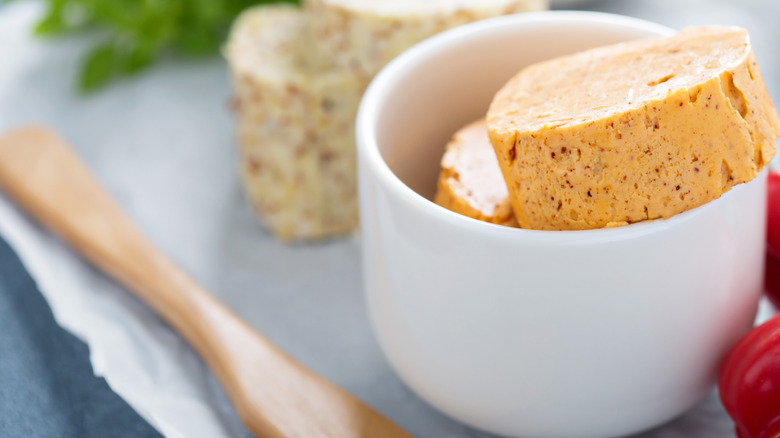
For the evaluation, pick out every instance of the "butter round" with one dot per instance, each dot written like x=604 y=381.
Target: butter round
x=639 y=130
x=470 y=181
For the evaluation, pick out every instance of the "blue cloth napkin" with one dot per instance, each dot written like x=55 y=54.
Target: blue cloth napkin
x=47 y=388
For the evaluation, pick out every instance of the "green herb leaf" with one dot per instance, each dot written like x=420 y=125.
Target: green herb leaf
x=98 y=69
x=52 y=22
x=138 y=59
x=141 y=31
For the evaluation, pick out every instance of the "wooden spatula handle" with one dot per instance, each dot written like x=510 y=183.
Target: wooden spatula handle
x=51 y=183
x=273 y=394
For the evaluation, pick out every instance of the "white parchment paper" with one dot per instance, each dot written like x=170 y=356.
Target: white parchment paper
x=162 y=144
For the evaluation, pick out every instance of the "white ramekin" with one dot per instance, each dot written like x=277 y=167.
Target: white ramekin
x=536 y=333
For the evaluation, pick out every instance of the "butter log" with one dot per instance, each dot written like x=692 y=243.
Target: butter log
x=470 y=182
x=640 y=130
x=295 y=128
x=298 y=75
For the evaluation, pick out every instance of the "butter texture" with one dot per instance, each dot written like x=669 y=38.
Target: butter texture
x=639 y=130
x=470 y=181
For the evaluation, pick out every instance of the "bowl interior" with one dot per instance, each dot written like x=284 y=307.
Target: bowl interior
x=417 y=103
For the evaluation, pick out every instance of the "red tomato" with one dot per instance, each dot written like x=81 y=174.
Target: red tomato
x=772 y=272
x=749 y=382
x=772 y=279
x=773 y=214
x=749 y=379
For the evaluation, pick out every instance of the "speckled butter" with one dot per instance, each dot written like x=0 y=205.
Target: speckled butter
x=295 y=129
x=639 y=130
x=470 y=181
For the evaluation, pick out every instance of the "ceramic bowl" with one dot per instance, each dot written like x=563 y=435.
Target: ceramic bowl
x=528 y=333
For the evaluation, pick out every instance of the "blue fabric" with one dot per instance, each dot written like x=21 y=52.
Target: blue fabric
x=47 y=388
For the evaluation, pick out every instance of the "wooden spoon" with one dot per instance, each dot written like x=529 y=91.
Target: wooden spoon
x=274 y=395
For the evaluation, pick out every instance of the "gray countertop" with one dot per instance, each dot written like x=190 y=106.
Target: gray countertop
x=163 y=144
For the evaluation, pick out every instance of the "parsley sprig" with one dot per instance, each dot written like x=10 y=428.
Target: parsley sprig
x=139 y=32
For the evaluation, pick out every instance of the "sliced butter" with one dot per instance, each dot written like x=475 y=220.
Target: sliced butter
x=470 y=182
x=639 y=130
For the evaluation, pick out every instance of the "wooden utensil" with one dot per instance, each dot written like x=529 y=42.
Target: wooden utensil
x=274 y=395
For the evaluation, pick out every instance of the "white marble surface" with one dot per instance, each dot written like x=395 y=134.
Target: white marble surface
x=163 y=144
